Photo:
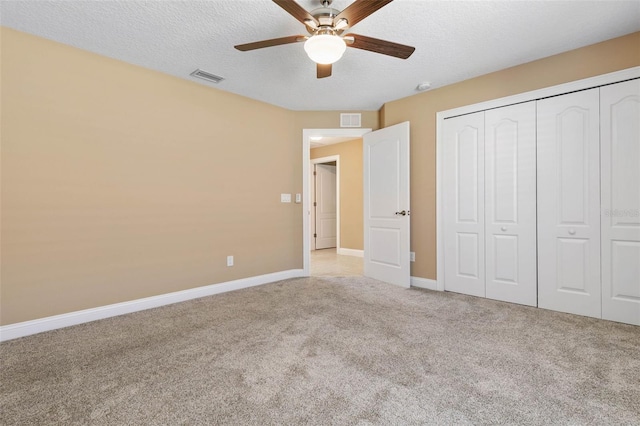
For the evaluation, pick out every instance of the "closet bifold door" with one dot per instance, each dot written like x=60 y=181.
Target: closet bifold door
x=569 y=203
x=463 y=201
x=620 y=168
x=510 y=203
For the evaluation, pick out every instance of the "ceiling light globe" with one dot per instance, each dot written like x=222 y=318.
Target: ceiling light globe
x=324 y=48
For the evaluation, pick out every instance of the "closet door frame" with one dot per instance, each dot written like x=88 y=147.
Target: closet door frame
x=560 y=89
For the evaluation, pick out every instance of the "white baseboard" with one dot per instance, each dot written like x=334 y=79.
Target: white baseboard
x=351 y=252
x=424 y=283
x=26 y=328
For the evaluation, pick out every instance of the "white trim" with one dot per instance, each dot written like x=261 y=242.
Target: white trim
x=26 y=328
x=328 y=159
x=350 y=252
x=559 y=89
x=306 y=155
x=439 y=201
x=423 y=283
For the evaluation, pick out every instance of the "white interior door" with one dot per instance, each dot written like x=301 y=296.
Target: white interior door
x=325 y=209
x=569 y=203
x=510 y=204
x=386 y=204
x=620 y=168
x=464 y=204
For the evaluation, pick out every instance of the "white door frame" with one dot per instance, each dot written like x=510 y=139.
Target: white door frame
x=306 y=195
x=322 y=160
x=560 y=89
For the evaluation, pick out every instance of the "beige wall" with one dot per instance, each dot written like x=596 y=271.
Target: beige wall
x=420 y=110
x=351 y=227
x=120 y=183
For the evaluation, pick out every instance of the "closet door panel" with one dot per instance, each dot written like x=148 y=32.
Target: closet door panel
x=568 y=163
x=510 y=203
x=620 y=168
x=464 y=204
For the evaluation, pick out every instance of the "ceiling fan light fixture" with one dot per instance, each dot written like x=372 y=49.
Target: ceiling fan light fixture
x=325 y=48
x=326 y=26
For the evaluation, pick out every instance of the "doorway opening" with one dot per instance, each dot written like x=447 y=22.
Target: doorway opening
x=327 y=261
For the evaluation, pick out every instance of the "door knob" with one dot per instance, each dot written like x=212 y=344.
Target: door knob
x=572 y=232
x=402 y=213
x=504 y=228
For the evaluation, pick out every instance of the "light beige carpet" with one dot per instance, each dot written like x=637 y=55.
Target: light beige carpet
x=327 y=351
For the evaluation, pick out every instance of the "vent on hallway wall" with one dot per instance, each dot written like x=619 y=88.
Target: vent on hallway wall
x=207 y=76
x=350 y=120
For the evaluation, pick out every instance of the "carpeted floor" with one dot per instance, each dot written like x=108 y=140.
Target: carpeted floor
x=327 y=351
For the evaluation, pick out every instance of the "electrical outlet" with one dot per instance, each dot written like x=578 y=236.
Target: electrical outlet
x=229 y=260
x=412 y=256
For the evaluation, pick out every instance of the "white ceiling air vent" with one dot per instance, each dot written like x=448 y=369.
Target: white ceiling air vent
x=351 y=120
x=212 y=78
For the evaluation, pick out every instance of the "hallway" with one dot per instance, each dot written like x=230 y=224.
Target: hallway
x=330 y=264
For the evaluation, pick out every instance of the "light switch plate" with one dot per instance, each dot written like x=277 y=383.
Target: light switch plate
x=285 y=198
x=412 y=256
x=298 y=198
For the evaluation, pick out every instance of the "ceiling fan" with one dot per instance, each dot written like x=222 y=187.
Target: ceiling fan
x=326 y=26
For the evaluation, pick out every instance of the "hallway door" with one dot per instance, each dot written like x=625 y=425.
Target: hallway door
x=325 y=206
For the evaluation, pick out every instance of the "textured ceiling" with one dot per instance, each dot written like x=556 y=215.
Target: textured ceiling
x=454 y=41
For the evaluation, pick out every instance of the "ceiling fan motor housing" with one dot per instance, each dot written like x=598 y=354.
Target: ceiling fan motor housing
x=325 y=16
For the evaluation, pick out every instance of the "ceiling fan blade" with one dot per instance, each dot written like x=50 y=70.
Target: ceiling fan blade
x=360 y=9
x=379 y=46
x=296 y=11
x=323 y=70
x=269 y=43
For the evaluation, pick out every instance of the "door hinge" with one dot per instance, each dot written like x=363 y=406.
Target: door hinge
x=315 y=235
x=314 y=173
x=315 y=204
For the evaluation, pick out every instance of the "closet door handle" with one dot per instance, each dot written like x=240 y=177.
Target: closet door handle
x=572 y=232
x=503 y=229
